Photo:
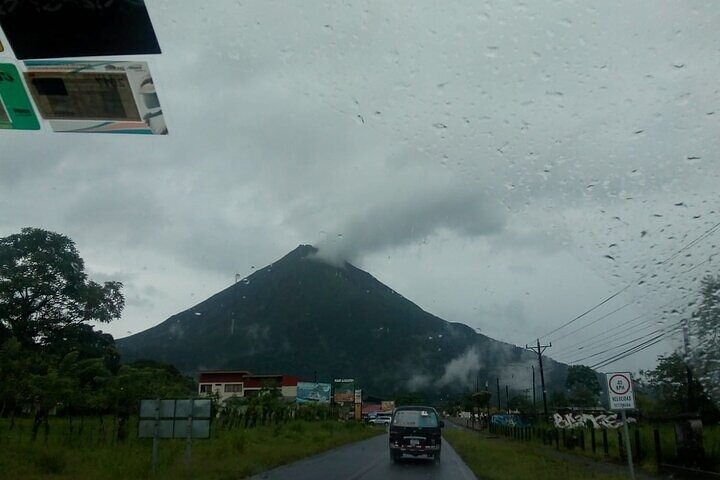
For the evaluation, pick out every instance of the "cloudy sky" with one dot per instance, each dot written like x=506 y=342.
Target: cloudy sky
x=507 y=165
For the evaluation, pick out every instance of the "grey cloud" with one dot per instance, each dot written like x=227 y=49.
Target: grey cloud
x=401 y=221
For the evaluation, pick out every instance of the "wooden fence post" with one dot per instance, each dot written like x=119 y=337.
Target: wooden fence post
x=606 y=448
x=658 y=449
x=592 y=439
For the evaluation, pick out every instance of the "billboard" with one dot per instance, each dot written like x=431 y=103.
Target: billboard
x=310 y=392
x=344 y=390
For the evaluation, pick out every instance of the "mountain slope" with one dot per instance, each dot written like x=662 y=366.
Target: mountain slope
x=304 y=317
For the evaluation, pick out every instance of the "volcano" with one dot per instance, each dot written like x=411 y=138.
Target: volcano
x=305 y=317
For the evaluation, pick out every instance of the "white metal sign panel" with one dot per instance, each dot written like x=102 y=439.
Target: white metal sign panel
x=620 y=391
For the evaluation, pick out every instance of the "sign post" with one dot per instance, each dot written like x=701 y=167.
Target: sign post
x=621 y=397
x=156 y=435
x=174 y=418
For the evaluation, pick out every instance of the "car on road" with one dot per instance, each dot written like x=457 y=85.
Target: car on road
x=381 y=419
x=415 y=430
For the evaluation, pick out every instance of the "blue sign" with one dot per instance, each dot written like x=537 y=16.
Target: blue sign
x=310 y=392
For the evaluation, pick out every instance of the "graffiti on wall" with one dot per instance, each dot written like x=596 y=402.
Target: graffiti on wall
x=508 y=421
x=582 y=420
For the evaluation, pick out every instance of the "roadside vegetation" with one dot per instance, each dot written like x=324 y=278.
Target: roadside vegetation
x=497 y=459
x=89 y=451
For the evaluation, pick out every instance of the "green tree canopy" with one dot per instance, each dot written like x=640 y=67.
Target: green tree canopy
x=704 y=329
x=522 y=404
x=582 y=386
x=481 y=399
x=409 y=398
x=667 y=385
x=45 y=292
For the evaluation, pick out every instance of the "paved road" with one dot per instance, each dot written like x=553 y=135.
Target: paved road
x=370 y=460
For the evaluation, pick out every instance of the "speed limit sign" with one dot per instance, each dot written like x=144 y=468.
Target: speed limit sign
x=620 y=391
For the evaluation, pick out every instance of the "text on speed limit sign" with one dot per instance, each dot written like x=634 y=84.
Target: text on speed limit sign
x=620 y=391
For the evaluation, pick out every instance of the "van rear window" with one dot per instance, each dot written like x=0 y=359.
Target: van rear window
x=415 y=418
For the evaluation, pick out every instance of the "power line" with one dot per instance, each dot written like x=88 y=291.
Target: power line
x=602 y=340
x=702 y=236
x=572 y=347
x=630 y=351
x=636 y=349
x=587 y=311
x=593 y=342
x=593 y=322
x=633 y=329
x=660 y=330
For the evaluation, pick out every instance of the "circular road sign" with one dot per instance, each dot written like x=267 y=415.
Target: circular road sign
x=620 y=383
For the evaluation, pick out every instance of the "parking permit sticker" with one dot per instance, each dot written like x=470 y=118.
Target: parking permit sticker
x=16 y=111
x=4 y=117
x=96 y=97
x=85 y=96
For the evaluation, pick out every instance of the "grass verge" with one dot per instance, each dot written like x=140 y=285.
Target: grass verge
x=497 y=459
x=228 y=454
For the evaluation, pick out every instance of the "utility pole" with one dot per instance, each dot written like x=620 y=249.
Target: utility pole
x=498 y=390
x=487 y=405
x=507 y=398
x=539 y=350
x=690 y=389
x=533 y=387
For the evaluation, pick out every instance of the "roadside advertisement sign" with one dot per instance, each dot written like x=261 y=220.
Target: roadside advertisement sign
x=620 y=391
x=311 y=392
x=344 y=390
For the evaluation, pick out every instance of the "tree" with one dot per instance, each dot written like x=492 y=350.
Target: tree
x=481 y=399
x=521 y=404
x=704 y=328
x=409 y=398
x=14 y=376
x=582 y=386
x=44 y=290
x=668 y=385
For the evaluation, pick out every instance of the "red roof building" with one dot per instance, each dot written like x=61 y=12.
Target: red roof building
x=241 y=383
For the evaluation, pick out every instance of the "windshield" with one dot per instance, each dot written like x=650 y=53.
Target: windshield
x=491 y=208
x=415 y=418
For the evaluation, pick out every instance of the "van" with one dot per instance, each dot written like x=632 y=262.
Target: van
x=415 y=430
